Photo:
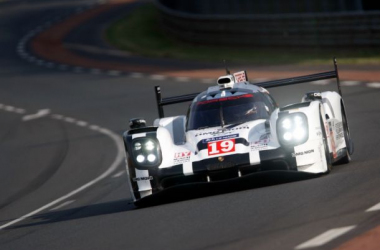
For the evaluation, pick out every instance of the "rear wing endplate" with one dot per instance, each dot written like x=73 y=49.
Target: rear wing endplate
x=170 y=100
x=161 y=102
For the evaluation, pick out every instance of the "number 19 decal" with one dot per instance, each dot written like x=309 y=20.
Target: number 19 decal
x=221 y=147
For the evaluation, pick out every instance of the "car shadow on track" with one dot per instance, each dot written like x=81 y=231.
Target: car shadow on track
x=180 y=193
x=199 y=190
x=93 y=210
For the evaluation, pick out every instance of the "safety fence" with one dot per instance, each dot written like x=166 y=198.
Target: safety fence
x=323 y=29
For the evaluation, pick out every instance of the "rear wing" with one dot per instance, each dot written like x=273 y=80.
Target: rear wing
x=303 y=79
x=161 y=102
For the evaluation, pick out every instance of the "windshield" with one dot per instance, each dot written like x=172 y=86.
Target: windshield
x=228 y=110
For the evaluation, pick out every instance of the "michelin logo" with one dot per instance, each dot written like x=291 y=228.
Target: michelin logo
x=220 y=138
x=303 y=153
x=149 y=178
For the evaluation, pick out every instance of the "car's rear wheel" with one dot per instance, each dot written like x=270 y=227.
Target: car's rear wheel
x=326 y=147
x=349 y=146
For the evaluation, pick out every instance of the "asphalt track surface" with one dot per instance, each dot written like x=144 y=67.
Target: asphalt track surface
x=52 y=153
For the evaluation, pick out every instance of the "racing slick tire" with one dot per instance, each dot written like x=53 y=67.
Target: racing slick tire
x=349 y=145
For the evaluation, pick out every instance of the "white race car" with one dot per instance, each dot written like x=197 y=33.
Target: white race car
x=234 y=130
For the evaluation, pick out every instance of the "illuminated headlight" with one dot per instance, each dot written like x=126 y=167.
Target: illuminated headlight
x=288 y=136
x=151 y=158
x=292 y=129
x=140 y=158
x=137 y=146
x=146 y=152
x=299 y=134
x=149 y=145
x=286 y=123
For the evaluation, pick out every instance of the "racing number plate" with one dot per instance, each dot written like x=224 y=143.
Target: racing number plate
x=221 y=147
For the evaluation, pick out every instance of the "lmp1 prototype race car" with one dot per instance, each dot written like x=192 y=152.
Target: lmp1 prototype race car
x=236 y=129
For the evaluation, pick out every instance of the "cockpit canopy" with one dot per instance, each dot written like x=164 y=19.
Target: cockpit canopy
x=231 y=109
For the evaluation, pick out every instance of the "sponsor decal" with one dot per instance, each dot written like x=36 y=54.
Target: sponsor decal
x=339 y=130
x=222 y=131
x=221 y=147
x=182 y=157
x=319 y=133
x=332 y=140
x=320 y=150
x=148 y=178
x=303 y=153
x=262 y=143
x=240 y=76
x=258 y=146
x=219 y=138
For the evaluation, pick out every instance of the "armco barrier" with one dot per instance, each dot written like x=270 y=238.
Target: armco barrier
x=333 y=29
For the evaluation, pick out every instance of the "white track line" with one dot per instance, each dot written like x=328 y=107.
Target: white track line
x=321 y=82
x=66 y=203
x=9 y=108
x=374 y=208
x=20 y=111
x=350 y=83
x=256 y=80
x=182 y=79
x=63 y=67
x=96 y=71
x=325 y=237
x=32 y=59
x=208 y=81
x=69 y=119
x=118 y=160
x=94 y=127
x=373 y=85
x=50 y=65
x=40 y=62
x=114 y=73
x=157 y=77
x=136 y=75
x=82 y=123
x=39 y=114
x=118 y=174
x=78 y=70
x=56 y=116
x=12 y=109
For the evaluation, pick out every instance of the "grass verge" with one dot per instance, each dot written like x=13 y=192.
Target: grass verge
x=140 y=33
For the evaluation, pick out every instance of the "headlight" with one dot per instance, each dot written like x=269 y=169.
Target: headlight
x=140 y=158
x=292 y=129
x=151 y=158
x=137 y=146
x=149 y=145
x=146 y=152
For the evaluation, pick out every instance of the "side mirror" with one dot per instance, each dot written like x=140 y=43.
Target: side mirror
x=137 y=123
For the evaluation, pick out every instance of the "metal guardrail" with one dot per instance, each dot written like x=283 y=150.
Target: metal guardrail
x=325 y=29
